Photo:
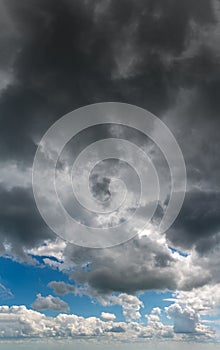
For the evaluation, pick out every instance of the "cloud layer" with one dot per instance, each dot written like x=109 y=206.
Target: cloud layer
x=27 y=323
x=160 y=55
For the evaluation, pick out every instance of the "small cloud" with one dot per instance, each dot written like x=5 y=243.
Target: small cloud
x=49 y=303
x=61 y=288
x=107 y=316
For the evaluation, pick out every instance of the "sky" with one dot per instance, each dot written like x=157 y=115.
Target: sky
x=111 y=61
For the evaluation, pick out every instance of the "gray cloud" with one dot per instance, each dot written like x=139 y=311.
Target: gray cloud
x=198 y=223
x=49 y=303
x=146 y=264
x=21 y=225
x=69 y=54
x=61 y=287
x=117 y=329
x=66 y=55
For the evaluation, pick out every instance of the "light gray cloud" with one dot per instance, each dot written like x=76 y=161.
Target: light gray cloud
x=49 y=303
x=61 y=287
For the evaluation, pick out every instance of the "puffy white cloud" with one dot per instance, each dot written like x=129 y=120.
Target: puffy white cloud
x=158 y=329
x=20 y=322
x=190 y=307
x=185 y=318
x=187 y=321
x=107 y=316
x=49 y=303
x=204 y=300
x=130 y=304
x=28 y=323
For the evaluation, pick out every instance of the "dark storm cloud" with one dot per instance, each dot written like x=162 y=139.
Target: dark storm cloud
x=165 y=24
x=21 y=225
x=71 y=51
x=145 y=265
x=66 y=54
x=198 y=223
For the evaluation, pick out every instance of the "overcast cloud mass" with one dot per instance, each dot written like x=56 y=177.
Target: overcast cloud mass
x=164 y=56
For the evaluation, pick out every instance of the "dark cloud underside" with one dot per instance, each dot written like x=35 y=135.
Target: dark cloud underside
x=72 y=53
